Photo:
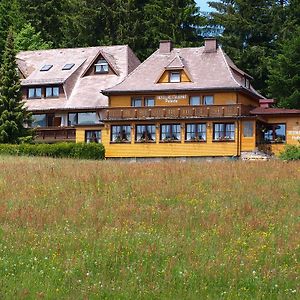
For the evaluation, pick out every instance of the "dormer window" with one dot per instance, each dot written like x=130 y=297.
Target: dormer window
x=247 y=83
x=46 y=68
x=175 y=77
x=52 y=92
x=101 y=66
x=35 y=93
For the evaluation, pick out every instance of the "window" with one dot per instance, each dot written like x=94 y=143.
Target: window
x=93 y=136
x=46 y=68
x=101 y=66
x=195 y=132
x=149 y=101
x=275 y=133
x=248 y=129
x=52 y=92
x=145 y=133
x=120 y=134
x=82 y=118
x=195 y=100
x=67 y=67
x=136 y=102
x=224 y=131
x=208 y=100
x=39 y=120
x=34 y=93
x=175 y=77
x=247 y=83
x=170 y=132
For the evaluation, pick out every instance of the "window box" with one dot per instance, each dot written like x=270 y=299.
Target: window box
x=170 y=133
x=93 y=136
x=120 y=134
x=195 y=132
x=196 y=140
x=145 y=133
x=224 y=132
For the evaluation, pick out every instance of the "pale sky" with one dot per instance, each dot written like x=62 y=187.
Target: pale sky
x=203 y=5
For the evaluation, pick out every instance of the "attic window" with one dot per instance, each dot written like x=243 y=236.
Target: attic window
x=175 y=77
x=247 y=83
x=101 y=66
x=46 y=68
x=68 y=67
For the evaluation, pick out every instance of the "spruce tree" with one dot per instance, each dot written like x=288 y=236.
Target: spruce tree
x=250 y=31
x=13 y=114
x=284 y=79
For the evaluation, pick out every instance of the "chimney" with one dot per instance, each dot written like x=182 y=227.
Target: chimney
x=211 y=45
x=165 y=47
x=266 y=103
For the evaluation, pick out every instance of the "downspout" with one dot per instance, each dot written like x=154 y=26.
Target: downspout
x=239 y=138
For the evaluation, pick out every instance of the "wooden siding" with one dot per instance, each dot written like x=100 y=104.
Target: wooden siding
x=247 y=100
x=292 y=126
x=80 y=132
x=220 y=98
x=176 y=149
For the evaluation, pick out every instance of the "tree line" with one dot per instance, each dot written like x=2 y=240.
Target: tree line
x=262 y=36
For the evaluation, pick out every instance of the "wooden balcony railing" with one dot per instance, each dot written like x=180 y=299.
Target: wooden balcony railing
x=55 y=134
x=176 y=112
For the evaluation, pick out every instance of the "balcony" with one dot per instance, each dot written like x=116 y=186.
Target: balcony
x=175 y=112
x=55 y=134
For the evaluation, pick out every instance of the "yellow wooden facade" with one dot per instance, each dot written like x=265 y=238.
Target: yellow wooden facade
x=170 y=149
x=220 y=98
x=292 y=132
x=166 y=76
x=182 y=148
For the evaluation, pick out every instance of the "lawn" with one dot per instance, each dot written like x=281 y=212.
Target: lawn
x=73 y=229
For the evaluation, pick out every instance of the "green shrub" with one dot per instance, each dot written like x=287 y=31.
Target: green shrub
x=58 y=150
x=291 y=152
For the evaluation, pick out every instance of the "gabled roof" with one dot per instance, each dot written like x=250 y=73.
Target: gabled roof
x=209 y=71
x=81 y=91
x=175 y=63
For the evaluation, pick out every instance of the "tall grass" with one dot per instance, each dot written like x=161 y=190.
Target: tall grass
x=111 y=230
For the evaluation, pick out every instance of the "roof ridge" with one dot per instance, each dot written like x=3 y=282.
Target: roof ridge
x=74 y=48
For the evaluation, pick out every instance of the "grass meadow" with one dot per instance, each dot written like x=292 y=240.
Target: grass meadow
x=73 y=229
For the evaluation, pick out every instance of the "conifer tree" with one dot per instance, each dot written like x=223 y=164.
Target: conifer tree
x=250 y=31
x=13 y=115
x=284 y=79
